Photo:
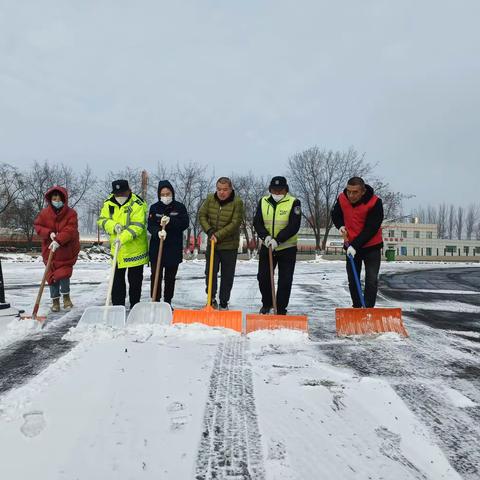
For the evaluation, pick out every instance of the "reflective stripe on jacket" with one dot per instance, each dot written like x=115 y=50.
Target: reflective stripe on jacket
x=132 y=217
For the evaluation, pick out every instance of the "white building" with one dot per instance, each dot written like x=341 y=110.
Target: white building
x=420 y=240
x=407 y=239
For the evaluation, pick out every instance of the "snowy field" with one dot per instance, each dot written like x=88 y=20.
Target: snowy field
x=181 y=402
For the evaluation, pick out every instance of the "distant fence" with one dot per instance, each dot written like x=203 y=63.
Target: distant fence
x=18 y=243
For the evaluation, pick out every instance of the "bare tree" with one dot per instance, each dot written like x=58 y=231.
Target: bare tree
x=30 y=201
x=250 y=189
x=442 y=221
x=431 y=216
x=451 y=221
x=193 y=185
x=34 y=184
x=419 y=213
x=459 y=223
x=318 y=176
x=392 y=201
x=470 y=219
x=77 y=184
x=10 y=186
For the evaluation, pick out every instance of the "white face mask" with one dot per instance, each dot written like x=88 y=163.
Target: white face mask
x=277 y=198
x=166 y=200
x=121 y=200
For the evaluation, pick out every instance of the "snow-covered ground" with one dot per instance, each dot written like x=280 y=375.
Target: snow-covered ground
x=194 y=402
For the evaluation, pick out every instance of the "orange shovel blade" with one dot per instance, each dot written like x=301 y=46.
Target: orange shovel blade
x=361 y=321
x=256 y=321
x=211 y=317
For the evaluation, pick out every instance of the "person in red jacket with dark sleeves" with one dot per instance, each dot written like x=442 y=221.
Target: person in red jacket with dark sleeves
x=358 y=215
x=57 y=226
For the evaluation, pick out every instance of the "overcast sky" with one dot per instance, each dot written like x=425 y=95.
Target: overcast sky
x=245 y=84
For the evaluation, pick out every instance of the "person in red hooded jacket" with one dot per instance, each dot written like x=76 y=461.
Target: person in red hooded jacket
x=57 y=226
x=358 y=216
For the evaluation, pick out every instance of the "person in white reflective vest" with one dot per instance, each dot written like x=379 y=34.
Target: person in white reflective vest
x=277 y=221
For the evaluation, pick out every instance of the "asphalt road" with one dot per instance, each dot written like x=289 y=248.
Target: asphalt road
x=432 y=288
x=441 y=355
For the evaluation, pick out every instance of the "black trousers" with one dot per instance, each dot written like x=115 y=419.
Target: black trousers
x=169 y=275
x=119 y=291
x=225 y=261
x=285 y=259
x=371 y=259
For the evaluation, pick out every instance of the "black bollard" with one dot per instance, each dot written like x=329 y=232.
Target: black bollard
x=3 y=305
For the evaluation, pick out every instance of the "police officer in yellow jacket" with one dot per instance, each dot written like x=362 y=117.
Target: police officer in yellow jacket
x=277 y=222
x=123 y=217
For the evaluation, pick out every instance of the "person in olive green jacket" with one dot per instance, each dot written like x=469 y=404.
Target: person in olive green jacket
x=220 y=217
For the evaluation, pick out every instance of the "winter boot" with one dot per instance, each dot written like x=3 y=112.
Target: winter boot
x=55 y=305
x=223 y=306
x=67 y=303
x=215 y=304
x=265 y=310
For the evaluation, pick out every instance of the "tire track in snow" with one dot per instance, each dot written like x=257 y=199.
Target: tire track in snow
x=230 y=447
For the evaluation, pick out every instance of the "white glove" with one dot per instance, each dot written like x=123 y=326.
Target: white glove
x=53 y=246
x=52 y=236
x=118 y=228
x=351 y=251
x=273 y=243
x=162 y=234
x=164 y=220
x=342 y=230
x=267 y=240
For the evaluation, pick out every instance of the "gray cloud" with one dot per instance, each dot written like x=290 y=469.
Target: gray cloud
x=243 y=85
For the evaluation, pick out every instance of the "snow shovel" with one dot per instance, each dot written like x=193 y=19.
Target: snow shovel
x=152 y=312
x=257 y=321
x=208 y=315
x=361 y=321
x=34 y=315
x=111 y=315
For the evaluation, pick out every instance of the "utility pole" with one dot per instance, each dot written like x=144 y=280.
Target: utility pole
x=144 y=184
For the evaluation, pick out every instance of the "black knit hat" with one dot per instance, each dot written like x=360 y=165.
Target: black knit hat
x=278 y=182
x=120 y=186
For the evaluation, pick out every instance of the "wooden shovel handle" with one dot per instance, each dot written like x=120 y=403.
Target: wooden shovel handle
x=157 y=270
x=42 y=284
x=272 y=279
x=210 y=273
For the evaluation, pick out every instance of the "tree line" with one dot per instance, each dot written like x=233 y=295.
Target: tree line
x=316 y=176
x=460 y=222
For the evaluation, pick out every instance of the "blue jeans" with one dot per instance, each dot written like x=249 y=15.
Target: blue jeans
x=62 y=285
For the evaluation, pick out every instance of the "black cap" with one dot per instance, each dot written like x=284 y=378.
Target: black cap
x=278 y=182
x=120 y=186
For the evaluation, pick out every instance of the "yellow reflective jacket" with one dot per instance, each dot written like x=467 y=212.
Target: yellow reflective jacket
x=277 y=218
x=132 y=217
